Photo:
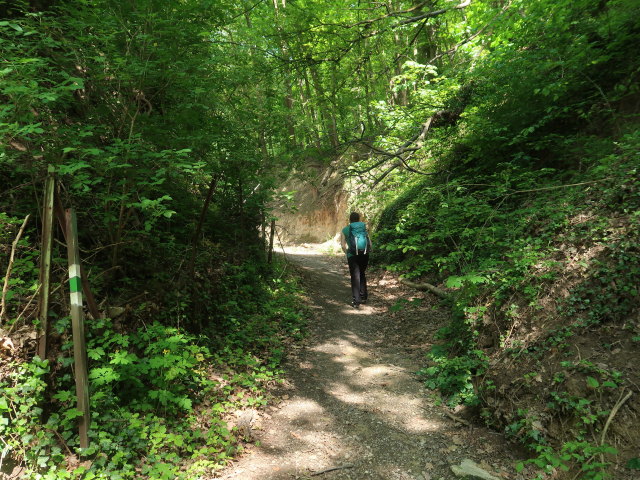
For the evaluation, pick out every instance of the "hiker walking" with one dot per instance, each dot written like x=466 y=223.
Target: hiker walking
x=356 y=244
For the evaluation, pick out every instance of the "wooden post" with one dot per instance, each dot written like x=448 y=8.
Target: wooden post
x=196 y=236
x=77 y=318
x=92 y=305
x=45 y=261
x=271 y=236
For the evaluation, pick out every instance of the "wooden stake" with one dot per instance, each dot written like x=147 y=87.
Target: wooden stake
x=92 y=305
x=271 y=236
x=196 y=236
x=77 y=318
x=45 y=262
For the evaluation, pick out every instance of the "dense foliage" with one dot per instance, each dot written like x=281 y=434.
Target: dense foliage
x=149 y=128
x=530 y=215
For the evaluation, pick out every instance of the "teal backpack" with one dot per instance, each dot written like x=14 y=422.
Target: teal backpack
x=358 y=239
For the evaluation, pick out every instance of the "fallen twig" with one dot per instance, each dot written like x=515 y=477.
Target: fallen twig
x=457 y=419
x=614 y=410
x=5 y=288
x=331 y=469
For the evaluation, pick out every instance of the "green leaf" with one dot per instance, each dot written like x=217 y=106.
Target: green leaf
x=592 y=382
x=63 y=396
x=454 y=282
x=399 y=305
x=92 y=151
x=96 y=353
x=102 y=376
x=72 y=413
x=634 y=463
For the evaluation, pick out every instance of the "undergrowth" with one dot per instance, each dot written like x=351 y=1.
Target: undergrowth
x=504 y=243
x=160 y=396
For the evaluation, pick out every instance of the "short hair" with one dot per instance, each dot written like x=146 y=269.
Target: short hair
x=354 y=217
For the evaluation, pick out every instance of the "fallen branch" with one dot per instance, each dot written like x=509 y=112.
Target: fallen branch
x=614 y=410
x=5 y=288
x=426 y=287
x=457 y=419
x=331 y=469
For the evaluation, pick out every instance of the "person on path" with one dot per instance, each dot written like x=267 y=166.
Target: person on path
x=357 y=258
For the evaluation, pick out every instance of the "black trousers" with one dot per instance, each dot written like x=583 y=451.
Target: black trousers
x=357 y=269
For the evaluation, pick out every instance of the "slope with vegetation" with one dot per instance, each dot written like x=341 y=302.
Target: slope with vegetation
x=494 y=145
x=146 y=124
x=530 y=216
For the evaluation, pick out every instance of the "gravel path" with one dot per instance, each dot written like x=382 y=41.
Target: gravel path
x=352 y=406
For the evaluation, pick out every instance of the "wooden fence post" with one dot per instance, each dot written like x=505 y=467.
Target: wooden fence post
x=77 y=318
x=45 y=261
x=271 y=236
x=92 y=305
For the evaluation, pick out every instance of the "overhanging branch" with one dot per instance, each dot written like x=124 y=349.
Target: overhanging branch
x=432 y=14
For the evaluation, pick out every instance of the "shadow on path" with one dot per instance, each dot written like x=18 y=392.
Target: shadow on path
x=353 y=402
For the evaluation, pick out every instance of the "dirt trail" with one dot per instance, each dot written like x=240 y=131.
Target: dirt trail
x=353 y=407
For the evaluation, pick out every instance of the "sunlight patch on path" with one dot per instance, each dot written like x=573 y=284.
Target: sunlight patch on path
x=375 y=387
x=308 y=443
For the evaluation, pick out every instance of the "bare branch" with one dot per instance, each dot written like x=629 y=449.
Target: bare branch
x=432 y=14
x=5 y=288
x=402 y=154
x=384 y=174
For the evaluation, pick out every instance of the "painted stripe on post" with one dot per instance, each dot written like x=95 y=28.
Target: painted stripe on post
x=74 y=270
x=75 y=284
x=76 y=299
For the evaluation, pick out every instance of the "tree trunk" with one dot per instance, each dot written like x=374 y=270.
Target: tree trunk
x=196 y=236
x=322 y=101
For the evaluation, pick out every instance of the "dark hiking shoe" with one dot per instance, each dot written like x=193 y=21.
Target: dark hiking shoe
x=355 y=304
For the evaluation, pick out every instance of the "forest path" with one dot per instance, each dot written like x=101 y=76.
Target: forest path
x=352 y=402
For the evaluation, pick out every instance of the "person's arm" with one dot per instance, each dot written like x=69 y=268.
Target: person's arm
x=343 y=242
